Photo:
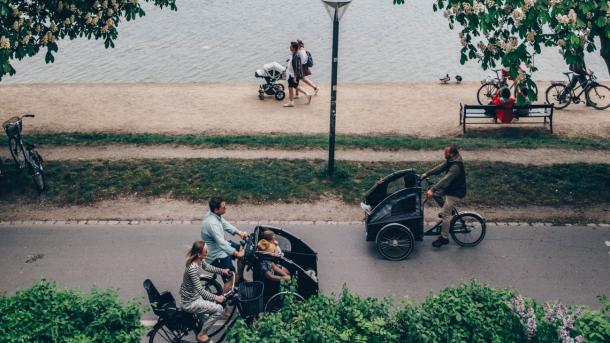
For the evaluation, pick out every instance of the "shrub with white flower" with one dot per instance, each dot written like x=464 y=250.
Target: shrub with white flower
x=28 y=27
x=575 y=27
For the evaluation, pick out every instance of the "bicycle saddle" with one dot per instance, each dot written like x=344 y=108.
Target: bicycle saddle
x=568 y=73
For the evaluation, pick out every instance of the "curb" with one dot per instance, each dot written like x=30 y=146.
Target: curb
x=254 y=223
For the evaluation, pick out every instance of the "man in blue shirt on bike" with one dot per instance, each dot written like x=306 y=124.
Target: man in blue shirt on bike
x=221 y=251
x=450 y=189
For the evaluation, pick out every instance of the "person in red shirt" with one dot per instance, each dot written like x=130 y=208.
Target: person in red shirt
x=505 y=104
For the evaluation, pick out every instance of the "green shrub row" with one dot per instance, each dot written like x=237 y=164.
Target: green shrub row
x=44 y=313
x=470 y=312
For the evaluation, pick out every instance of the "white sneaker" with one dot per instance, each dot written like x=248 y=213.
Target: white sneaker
x=289 y=104
x=308 y=99
x=296 y=96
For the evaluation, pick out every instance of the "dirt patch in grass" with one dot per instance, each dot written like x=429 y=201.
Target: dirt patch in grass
x=131 y=152
x=325 y=209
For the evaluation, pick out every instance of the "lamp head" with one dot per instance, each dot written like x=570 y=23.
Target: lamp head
x=336 y=8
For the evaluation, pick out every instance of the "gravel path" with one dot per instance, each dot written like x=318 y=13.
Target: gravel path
x=128 y=152
x=406 y=108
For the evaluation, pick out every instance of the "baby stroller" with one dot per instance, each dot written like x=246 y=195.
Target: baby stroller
x=271 y=72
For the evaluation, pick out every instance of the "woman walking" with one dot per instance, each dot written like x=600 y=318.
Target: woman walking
x=306 y=72
x=194 y=298
x=295 y=73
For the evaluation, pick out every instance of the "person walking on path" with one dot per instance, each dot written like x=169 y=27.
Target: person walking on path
x=220 y=250
x=295 y=73
x=449 y=190
x=307 y=63
x=193 y=297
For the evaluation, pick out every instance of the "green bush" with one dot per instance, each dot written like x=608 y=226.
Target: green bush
x=45 y=313
x=323 y=319
x=470 y=312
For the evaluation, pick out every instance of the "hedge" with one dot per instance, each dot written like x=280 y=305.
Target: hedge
x=44 y=313
x=470 y=312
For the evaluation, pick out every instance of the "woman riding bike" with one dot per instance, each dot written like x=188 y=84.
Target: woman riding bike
x=194 y=298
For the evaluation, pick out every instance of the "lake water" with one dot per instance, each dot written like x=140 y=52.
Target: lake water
x=227 y=40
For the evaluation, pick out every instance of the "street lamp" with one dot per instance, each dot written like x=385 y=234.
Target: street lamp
x=336 y=9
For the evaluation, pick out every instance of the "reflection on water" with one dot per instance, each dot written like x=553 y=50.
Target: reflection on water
x=227 y=40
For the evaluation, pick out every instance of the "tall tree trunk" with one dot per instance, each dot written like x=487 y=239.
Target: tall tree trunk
x=605 y=49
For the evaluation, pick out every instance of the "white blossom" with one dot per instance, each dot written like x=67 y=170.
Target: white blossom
x=60 y=6
x=561 y=42
x=518 y=15
x=110 y=23
x=53 y=27
x=490 y=3
x=16 y=25
x=554 y=2
x=562 y=19
x=478 y=8
x=467 y=8
x=67 y=21
x=104 y=29
x=26 y=38
x=446 y=13
x=5 y=43
x=531 y=36
x=572 y=16
x=110 y=12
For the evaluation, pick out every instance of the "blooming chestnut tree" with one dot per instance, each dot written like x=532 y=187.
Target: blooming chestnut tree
x=29 y=26
x=512 y=32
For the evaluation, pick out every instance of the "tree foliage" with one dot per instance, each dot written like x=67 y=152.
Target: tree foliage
x=28 y=27
x=512 y=32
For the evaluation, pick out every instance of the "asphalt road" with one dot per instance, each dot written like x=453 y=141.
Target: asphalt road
x=567 y=263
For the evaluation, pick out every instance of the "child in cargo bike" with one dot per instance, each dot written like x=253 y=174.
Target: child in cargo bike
x=269 y=269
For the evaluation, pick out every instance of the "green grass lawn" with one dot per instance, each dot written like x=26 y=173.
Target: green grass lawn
x=502 y=138
x=491 y=184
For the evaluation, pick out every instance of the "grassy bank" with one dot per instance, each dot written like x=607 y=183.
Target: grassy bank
x=498 y=139
x=490 y=184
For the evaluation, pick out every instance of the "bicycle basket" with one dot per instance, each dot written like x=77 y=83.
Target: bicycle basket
x=12 y=126
x=250 y=298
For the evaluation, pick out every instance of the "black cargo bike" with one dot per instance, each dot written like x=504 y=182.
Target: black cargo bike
x=394 y=217
x=248 y=300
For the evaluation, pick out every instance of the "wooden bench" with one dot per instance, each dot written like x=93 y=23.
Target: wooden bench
x=489 y=112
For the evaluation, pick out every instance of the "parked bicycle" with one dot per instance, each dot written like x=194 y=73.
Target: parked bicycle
x=561 y=94
x=24 y=154
x=491 y=86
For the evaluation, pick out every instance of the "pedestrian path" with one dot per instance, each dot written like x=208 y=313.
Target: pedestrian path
x=129 y=152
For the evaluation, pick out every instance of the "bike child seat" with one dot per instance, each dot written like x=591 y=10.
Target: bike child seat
x=160 y=302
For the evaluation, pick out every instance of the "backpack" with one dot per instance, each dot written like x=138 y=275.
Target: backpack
x=309 y=60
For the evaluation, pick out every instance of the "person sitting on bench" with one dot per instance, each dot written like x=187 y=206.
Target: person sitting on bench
x=505 y=104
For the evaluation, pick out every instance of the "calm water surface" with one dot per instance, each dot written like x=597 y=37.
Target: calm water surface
x=227 y=40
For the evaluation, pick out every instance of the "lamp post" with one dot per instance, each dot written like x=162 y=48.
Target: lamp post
x=336 y=9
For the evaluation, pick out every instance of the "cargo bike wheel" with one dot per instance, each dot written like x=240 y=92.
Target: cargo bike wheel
x=467 y=229
x=395 y=242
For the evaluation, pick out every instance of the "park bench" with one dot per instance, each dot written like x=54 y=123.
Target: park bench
x=468 y=113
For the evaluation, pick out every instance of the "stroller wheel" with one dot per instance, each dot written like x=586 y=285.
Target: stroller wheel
x=280 y=95
x=261 y=96
x=279 y=86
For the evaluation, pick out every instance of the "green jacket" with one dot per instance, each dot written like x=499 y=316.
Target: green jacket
x=454 y=181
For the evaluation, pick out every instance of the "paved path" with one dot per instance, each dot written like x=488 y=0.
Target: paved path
x=125 y=152
x=570 y=263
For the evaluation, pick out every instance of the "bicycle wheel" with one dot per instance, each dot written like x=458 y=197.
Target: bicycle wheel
x=467 y=229
x=486 y=93
x=17 y=151
x=276 y=302
x=598 y=96
x=161 y=333
x=37 y=170
x=558 y=95
x=395 y=242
